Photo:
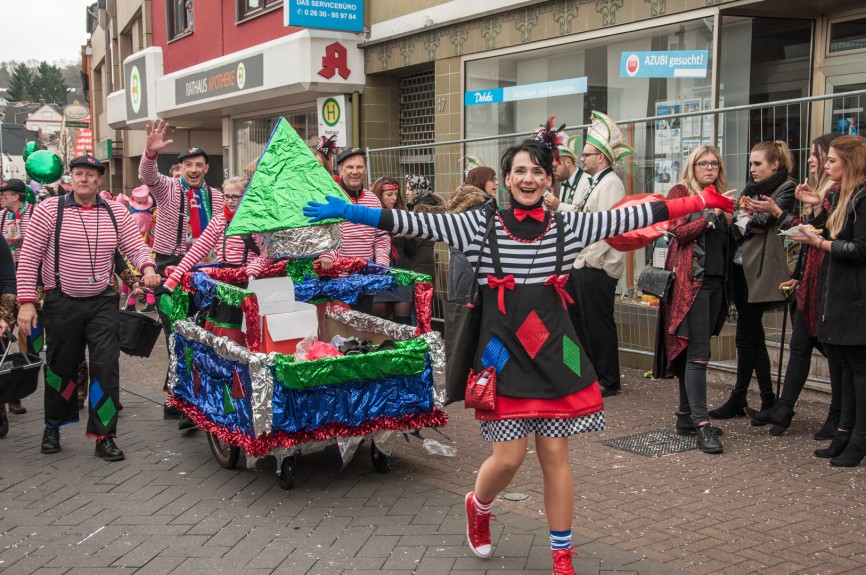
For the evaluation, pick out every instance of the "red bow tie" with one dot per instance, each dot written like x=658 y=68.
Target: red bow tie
x=536 y=214
x=501 y=284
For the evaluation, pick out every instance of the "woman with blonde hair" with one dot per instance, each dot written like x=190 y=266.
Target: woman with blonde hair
x=760 y=267
x=698 y=305
x=840 y=324
x=806 y=281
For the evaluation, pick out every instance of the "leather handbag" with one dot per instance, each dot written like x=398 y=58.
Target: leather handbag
x=655 y=281
x=462 y=330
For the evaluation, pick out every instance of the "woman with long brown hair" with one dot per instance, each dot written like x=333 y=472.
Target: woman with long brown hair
x=395 y=305
x=760 y=266
x=698 y=306
x=806 y=281
x=843 y=307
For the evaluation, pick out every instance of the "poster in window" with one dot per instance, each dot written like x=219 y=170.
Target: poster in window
x=692 y=124
x=667 y=131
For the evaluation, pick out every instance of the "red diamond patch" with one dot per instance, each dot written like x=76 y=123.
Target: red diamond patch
x=71 y=386
x=237 y=386
x=196 y=381
x=532 y=334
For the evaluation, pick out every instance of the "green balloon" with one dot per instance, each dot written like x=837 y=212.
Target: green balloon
x=29 y=149
x=44 y=166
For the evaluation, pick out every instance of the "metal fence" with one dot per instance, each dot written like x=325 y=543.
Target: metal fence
x=662 y=144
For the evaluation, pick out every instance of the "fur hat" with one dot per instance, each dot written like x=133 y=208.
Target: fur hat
x=465 y=198
x=606 y=137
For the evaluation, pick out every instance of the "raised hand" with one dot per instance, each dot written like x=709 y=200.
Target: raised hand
x=155 y=140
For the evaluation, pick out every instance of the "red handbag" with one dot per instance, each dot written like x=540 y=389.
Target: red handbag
x=481 y=390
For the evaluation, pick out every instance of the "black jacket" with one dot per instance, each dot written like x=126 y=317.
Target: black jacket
x=843 y=292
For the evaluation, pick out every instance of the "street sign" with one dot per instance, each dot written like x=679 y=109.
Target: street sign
x=332 y=114
x=348 y=16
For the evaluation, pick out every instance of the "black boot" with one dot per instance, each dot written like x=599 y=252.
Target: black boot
x=4 y=421
x=767 y=403
x=836 y=447
x=852 y=456
x=169 y=412
x=730 y=409
x=685 y=425
x=50 y=440
x=708 y=441
x=107 y=450
x=828 y=430
x=778 y=415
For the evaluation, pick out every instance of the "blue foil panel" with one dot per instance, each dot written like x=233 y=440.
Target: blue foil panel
x=215 y=372
x=352 y=403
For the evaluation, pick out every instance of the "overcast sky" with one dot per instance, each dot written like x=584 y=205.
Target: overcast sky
x=50 y=30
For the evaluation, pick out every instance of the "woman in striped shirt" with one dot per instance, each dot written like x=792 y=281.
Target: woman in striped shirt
x=545 y=385
x=231 y=251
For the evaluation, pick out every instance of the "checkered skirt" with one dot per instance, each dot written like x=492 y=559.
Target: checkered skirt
x=509 y=429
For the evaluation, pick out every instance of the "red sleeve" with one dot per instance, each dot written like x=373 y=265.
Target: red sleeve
x=36 y=241
x=159 y=185
x=199 y=250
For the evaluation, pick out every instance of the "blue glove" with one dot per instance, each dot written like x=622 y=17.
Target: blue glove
x=338 y=208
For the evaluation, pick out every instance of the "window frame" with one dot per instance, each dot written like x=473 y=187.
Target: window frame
x=189 y=28
x=829 y=39
x=267 y=6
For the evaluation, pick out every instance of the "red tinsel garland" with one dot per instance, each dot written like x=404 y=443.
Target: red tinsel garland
x=423 y=306
x=265 y=443
x=250 y=307
x=340 y=267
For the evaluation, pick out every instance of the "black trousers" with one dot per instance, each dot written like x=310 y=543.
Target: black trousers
x=73 y=325
x=594 y=292
x=691 y=364
x=752 y=356
x=852 y=359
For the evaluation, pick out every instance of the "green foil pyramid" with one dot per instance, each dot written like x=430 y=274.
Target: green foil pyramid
x=286 y=178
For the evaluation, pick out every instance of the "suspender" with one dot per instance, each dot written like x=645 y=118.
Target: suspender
x=181 y=213
x=249 y=246
x=61 y=204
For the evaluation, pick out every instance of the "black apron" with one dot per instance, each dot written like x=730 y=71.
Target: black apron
x=533 y=345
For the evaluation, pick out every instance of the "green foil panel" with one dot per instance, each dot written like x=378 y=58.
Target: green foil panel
x=297 y=269
x=286 y=178
x=407 y=278
x=232 y=295
x=409 y=358
x=179 y=304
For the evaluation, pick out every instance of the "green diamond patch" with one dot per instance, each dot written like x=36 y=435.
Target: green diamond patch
x=571 y=355
x=106 y=411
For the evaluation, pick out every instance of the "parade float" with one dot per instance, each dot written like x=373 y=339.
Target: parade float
x=253 y=367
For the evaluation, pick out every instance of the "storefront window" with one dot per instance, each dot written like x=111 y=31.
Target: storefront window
x=848 y=35
x=653 y=72
x=251 y=136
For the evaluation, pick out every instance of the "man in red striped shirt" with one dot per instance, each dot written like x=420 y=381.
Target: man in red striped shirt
x=76 y=246
x=358 y=241
x=185 y=206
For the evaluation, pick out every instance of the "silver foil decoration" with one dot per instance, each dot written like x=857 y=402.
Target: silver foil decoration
x=260 y=375
x=172 y=364
x=348 y=447
x=300 y=242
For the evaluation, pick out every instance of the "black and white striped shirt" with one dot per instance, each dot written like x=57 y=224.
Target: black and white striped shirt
x=530 y=263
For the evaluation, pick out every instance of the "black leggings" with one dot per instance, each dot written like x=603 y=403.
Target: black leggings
x=752 y=356
x=852 y=359
x=692 y=369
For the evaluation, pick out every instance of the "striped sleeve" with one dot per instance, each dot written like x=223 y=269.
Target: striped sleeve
x=199 y=250
x=596 y=226
x=34 y=249
x=159 y=185
x=129 y=238
x=456 y=230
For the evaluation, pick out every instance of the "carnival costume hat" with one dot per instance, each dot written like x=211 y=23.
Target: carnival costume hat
x=87 y=162
x=141 y=198
x=348 y=153
x=327 y=146
x=192 y=152
x=551 y=137
x=14 y=185
x=472 y=162
x=570 y=148
x=606 y=137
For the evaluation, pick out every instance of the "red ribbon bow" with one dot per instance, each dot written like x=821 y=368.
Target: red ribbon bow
x=501 y=284
x=558 y=283
x=536 y=214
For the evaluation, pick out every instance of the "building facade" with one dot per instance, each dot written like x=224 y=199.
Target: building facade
x=222 y=77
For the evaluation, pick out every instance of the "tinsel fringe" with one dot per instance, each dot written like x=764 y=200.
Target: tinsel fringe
x=263 y=445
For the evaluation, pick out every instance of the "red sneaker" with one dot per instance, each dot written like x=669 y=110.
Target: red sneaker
x=562 y=561
x=478 y=528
